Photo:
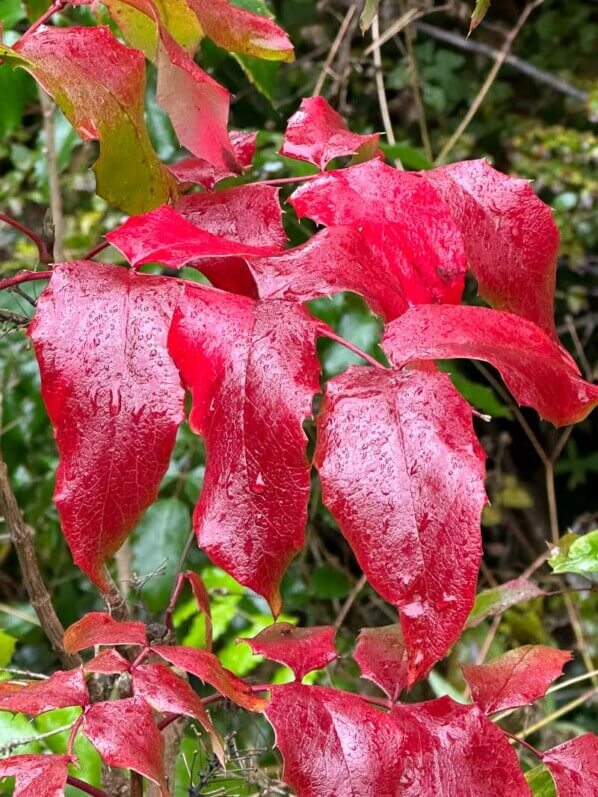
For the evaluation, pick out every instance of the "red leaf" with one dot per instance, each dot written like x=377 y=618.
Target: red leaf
x=448 y=749
x=510 y=238
x=317 y=134
x=37 y=775
x=411 y=231
x=501 y=598
x=206 y=667
x=241 y=31
x=516 y=678
x=103 y=99
x=196 y=170
x=333 y=260
x=252 y=370
x=164 y=236
x=574 y=766
x=202 y=599
x=60 y=690
x=166 y=692
x=301 y=649
x=98 y=628
x=333 y=743
x=125 y=735
x=197 y=105
x=249 y=215
x=114 y=398
x=108 y=661
x=537 y=371
x=382 y=659
x=403 y=473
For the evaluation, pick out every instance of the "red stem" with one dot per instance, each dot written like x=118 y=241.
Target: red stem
x=58 y=5
x=44 y=255
x=86 y=787
x=525 y=744
x=24 y=276
x=96 y=250
x=73 y=734
x=180 y=581
x=325 y=330
x=286 y=180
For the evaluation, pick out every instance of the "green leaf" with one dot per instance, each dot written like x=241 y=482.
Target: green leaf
x=495 y=601
x=7 y=648
x=329 y=582
x=370 y=9
x=482 y=397
x=576 y=554
x=479 y=12
x=11 y=12
x=157 y=544
x=540 y=782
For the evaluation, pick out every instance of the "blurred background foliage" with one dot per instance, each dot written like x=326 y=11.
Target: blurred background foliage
x=537 y=121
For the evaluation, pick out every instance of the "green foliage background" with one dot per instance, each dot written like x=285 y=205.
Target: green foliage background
x=524 y=127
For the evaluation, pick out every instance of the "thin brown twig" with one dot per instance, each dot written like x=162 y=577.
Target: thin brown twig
x=351 y=598
x=44 y=255
x=487 y=84
x=381 y=91
x=48 y=108
x=414 y=78
x=333 y=50
x=558 y=713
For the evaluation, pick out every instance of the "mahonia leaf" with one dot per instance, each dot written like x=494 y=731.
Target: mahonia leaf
x=206 y=667
x=113 y=395
x=537 y=370
x=403 y=474
x=166 y=692
x=301 y=649
x=334 y=743
x=189 y=171
x=125 y=735
x=317 y=134
x=241 y=31
x=516 y=678
x=60 y=690
x=37 y=775
x=510 y=238
x=252 y=371
x=107 y=662
x=382 y=658
x=574 y=766
x=164 y=236
x=448 y=749
x=99 y=628
x=496 y=600
x=103 y=98
x=411 y=231
x=335 y=259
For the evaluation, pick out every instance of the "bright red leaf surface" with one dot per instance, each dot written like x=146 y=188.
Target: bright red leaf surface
x=166 y=692
x=335 y=259
x=537 y=370
x=403 y=473
x=103 y=99
x=301 y=649
x=125 y=735
x=206 y=667
x=202 y=599
x=108 y=661
x=496 y=600
x=197 y=170
x=382 y=658
x=114 y=397
x=60 y=690
x=574 y=766
x=410 y=230
x=516 y=678
x=510 y=238
x=37 y=775
x=447 y=749
x=241 y=31
x=317 y=134
x=334 y=743
x=252 y=371
x=99 y=628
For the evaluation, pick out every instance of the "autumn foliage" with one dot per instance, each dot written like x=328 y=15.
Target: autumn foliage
x=400 y=465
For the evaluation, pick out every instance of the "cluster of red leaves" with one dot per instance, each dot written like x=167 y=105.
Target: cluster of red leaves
x=400 y=466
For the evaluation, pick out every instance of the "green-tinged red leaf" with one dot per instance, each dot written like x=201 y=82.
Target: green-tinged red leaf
x=99 y=628
x=103 y=99
x=496 y=600
x=537 y=370
x=252 y=371
x=403 y=474
x=382 y=658
x=516 y=678
x=301 y=649
x=113 y=395
x=207 y=668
